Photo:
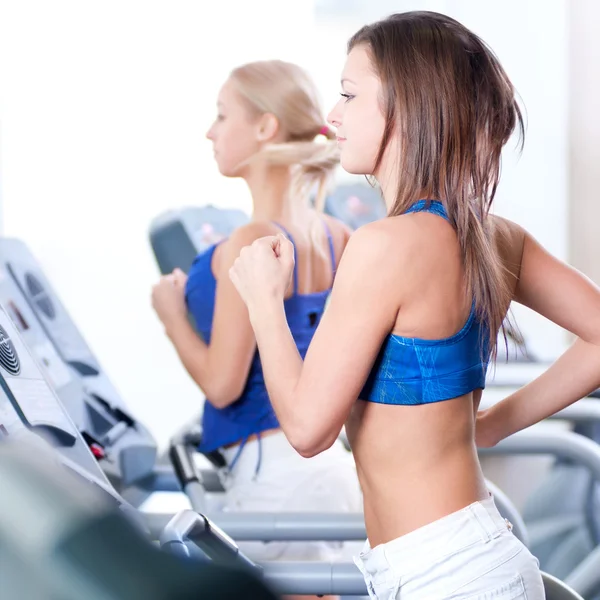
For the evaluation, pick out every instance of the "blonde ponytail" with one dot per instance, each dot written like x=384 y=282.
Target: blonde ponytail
x=313 y=165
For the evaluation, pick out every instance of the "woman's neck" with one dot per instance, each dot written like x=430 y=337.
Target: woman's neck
x=270 y=191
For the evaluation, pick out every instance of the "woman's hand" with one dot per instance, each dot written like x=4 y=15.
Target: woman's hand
x=263 y=271
x=168 y=297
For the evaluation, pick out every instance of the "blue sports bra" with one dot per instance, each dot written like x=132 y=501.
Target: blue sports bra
x=252 y=412
x=416 y=371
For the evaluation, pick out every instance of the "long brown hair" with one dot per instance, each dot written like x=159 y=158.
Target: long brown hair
x=454 y=108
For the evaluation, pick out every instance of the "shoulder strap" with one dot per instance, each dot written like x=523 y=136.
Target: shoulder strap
x=331 y=246
x=430 y=206
x=289 y=235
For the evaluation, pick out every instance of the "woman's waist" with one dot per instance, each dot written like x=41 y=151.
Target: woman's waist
x=405 y=492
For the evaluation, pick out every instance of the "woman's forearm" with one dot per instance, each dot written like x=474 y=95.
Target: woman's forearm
x=281 y=363
x=192 y=351
x=572 y=377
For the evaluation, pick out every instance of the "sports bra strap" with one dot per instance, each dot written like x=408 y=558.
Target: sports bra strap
x=289 y=235
x=429 y=206
x=331 y=247
x=331 y=250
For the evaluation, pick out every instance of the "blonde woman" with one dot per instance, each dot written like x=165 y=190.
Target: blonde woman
x=269 y=131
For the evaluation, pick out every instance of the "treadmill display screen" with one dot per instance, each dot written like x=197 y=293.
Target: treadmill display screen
x=20 y=374
x=42 y=349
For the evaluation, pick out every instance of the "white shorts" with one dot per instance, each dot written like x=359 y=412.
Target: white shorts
x=288 y=482
x=468 y=555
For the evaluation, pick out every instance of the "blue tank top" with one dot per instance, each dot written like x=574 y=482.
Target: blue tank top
x=416 y=371
x=252 y=412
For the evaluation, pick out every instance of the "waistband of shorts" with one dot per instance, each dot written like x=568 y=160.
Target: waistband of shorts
x=476 y=523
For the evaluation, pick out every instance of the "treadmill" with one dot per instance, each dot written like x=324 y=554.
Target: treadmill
x=72 y=537
x=123 y=447
x=65 y=533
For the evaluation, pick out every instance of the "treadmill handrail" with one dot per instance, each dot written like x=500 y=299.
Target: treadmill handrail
x=280 y=526
x=291 y=526
x=562 y=444
x=313 y=578
x=585 y=578
x=214 y=542
x=585 y=410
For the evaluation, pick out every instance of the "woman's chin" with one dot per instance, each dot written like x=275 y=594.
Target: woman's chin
x=353 y=167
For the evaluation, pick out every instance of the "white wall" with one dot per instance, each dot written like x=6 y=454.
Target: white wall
x=103 y=109
x=584 y=125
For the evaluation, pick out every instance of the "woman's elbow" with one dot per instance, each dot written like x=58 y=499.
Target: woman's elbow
x=308 y=452
x=221 y=395
x=308 y=444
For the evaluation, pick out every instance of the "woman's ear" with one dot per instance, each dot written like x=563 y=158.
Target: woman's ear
x=268 y=127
